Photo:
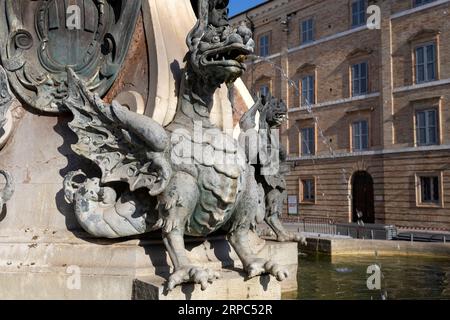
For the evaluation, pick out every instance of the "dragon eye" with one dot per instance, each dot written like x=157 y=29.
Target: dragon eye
x=216 y=39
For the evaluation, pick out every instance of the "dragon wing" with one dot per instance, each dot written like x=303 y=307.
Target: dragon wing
x=126 y=146
x=248 y=120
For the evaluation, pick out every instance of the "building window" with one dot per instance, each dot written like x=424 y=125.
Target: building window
x=427 y=127
x=429 y=190
x=307 y=31
x=426 y=63
x=360 y=79
x=308 y=190
x=360 y=136
x=264 y=90
x=308 y=141
x=308 y=91
x=264 y=45
x=358 y=13
x=422 y=2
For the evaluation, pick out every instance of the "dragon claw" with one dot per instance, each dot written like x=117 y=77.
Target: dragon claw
x=202 y=276
x=260 y=266
x=292 y=237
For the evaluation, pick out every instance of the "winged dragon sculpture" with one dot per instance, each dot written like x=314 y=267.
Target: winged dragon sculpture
x=269 y=160
x=199 y=176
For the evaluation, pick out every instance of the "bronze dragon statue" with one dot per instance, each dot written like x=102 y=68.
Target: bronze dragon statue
x=269 y=160
x=199 y=175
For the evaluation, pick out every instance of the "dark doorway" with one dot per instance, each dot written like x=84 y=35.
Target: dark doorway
x=363 y=197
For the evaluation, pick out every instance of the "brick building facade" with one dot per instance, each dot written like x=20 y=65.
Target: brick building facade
x=369 y=109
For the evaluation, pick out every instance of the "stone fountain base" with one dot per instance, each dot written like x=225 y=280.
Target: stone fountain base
x=41 y=259
x=51 y=266
x=231 y=286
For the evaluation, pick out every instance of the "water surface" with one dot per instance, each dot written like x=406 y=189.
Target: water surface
x=322 y=277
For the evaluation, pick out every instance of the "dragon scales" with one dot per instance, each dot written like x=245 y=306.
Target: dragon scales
x=144 y=164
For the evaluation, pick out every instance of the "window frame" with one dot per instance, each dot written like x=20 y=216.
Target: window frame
x=265 y=86
x=437 y=128
x=267 y=46
x=309 y=32
x=353 y=79
x=415 y=4
x=313 y=142
x=360 y=12
x=353 y=135
x=419 y=192
x=424 y=46
x=311 y=81
x=302 y=190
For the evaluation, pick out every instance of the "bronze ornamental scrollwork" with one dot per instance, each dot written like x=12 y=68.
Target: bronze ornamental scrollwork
x=38 y=42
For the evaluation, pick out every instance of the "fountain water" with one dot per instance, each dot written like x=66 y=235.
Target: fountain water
x=310 y=109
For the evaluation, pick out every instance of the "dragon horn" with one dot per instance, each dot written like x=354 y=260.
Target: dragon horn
x=76 y=88
x=197 y=32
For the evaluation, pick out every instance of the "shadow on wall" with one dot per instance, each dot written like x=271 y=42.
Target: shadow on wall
x=3 y=213
x=74 y=162
x=404 y=125
x=175 y=68
x=339 y=133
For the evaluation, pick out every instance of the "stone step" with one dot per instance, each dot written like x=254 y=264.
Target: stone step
x=232 y=285
x=48 y=263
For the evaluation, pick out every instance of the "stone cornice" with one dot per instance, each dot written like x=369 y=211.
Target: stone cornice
x=419 y=8
x=422 y=85
x=424 y=34
x=371 y=153
x=338 y=102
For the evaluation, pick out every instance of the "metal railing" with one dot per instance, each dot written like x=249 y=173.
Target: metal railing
x=327 y=226
x=367 y=231
x=317 y=225
x=423 y=237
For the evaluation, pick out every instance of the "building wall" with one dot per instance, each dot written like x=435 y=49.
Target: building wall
x=400 y=196
x=394 y=159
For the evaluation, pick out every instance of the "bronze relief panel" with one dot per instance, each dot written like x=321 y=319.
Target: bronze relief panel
x=39 y=39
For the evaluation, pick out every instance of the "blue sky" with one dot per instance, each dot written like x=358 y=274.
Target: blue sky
x=237 y=6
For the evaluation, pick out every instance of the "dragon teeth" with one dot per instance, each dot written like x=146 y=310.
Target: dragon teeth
x=241 y=58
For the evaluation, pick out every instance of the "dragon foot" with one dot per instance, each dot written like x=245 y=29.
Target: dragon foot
x=190 y=274
x=282 y=234
x=260 y=266
x=291 y=237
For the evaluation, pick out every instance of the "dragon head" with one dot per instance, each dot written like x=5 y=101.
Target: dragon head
x=217 y=51
x=276 y=111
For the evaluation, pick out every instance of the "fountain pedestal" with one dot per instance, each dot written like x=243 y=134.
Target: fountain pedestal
x=231 y=286
x=41 y=265
x=44 y=254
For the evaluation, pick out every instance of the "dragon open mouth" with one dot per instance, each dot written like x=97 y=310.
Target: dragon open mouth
x=230 y=56
x=279 y=118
